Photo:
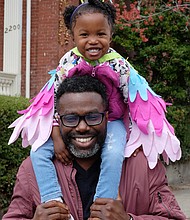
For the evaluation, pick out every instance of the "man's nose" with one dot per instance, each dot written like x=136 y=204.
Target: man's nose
x=82 y=126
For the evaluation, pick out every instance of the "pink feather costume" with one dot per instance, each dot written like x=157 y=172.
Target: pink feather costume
x=150 y=127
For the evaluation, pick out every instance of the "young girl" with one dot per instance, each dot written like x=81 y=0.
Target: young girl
x=91 y=25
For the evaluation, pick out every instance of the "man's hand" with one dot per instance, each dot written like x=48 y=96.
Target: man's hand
x=108 y=209
x=52 y=210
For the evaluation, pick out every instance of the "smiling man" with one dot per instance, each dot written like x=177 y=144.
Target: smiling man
x=83 y=124
x=83 y=117
x=144 y=193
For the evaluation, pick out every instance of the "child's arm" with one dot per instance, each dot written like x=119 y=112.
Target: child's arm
x=30 y=125
x=60 y=149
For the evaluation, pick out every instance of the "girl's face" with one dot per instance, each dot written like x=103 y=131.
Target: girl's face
x=92 y=35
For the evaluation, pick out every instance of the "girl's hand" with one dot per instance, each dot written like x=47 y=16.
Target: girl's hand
x=61 y=151
x=136 y=151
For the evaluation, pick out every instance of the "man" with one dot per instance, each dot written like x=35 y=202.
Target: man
x=144 y=193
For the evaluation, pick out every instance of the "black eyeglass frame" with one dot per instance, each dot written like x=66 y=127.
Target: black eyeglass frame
x=82 y=117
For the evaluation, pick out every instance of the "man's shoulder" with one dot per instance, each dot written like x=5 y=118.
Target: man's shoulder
x=27 y=163
x=137 y=167
x=141 y=161
x=26 y=169
x=134 y=162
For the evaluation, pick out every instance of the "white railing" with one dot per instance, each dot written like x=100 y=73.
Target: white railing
x=9 y=84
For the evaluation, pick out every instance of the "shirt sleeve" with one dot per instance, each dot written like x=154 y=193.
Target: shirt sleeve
x=25 y=194
x=162 y=200
x=121 y=67
x=67 y=62
x=151 y=187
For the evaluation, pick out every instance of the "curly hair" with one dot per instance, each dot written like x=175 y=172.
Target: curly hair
x=72 y=12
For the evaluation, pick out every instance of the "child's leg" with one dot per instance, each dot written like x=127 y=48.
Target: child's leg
x=112 y=160
x=45 y=172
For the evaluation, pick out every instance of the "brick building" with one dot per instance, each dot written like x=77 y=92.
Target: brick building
x=32 y=40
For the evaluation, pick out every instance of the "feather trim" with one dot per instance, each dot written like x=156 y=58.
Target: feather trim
x=35 y=125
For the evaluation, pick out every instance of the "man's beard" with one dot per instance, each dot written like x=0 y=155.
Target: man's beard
x=83 y=153
x=86 y=153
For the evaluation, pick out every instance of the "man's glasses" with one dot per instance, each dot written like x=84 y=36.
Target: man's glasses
x=73 y=120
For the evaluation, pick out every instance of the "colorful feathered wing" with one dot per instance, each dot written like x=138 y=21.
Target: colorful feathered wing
x=35 y=124
x=150 y=127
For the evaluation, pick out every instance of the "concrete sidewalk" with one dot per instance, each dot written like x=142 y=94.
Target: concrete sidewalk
x=182 y=194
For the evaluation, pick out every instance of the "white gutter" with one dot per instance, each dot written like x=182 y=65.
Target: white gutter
x=28 y=39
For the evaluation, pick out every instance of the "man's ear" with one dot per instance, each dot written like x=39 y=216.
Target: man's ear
x=107 y=114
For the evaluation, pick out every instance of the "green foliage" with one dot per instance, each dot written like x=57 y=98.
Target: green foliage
x=164 y=56
x=157 y=41
x=179 y=116
x=10 y=156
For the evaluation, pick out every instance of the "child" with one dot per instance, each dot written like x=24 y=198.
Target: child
x=91 y=25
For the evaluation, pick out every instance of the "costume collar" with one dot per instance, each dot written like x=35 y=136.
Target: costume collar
x=105 y=58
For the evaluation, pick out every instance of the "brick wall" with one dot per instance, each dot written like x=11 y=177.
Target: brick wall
x=46 y=49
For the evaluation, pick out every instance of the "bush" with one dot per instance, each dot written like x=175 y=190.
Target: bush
x=179 y=116
x=10 y=156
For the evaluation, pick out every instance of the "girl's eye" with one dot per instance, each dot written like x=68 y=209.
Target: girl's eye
x=84 y=35
x=101 y=34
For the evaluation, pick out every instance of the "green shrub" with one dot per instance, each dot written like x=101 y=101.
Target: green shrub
x=179 y=116
x=10 y=156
